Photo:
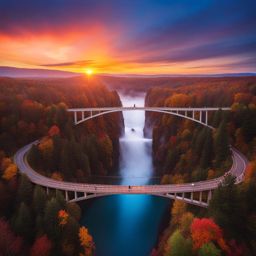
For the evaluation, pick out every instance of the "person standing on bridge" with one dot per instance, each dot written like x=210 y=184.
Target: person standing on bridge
x=134 y=106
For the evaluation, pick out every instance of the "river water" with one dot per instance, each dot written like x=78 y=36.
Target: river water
x=125 y=225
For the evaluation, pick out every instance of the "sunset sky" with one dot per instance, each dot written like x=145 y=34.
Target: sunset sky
x=129 y=37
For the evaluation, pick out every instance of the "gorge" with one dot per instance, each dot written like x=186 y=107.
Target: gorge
x=135 y=220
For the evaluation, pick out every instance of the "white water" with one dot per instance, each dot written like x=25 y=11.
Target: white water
x=135 y=161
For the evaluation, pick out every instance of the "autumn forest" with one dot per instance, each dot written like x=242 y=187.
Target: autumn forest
x=36 y=223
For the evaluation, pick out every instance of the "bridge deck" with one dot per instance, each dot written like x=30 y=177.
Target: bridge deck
x=146 y=108
x=237 y=169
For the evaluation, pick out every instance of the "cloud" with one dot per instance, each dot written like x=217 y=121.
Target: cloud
x=78 y=63
x=116 y=34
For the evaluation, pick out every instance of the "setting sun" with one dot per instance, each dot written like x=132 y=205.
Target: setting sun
x=89 y=71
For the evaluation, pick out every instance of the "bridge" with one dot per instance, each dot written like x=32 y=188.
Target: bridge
x=197 y=193
x=199 y=115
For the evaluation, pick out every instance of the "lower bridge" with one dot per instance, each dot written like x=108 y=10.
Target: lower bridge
x=197 y=193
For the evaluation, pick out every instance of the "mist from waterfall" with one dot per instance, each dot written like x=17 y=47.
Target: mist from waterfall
x=135 y=150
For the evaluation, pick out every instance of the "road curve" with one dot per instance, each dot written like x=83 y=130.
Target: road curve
x=20 y=159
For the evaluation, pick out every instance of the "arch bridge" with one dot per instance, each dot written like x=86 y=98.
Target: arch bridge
x=197 y=193
x=199 y=115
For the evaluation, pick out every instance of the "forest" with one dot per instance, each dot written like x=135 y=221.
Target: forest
x=184 y=151
x=31 y=221
x=36 y=223
x=33 y=109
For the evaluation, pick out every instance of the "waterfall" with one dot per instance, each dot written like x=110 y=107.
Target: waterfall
x=128 y=224
x=135 y=150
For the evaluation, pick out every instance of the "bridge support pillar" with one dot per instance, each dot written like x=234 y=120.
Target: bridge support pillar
x=191 y=197
x=66 y=195
x=193 y=114
x=75 y=195
x=85 y=195
x=209 y=197
x=183 y=195
x=82 y=115
x=200 y=116
x=47 y=190
x=75 y=117
x=206 y=117
x=200 y=197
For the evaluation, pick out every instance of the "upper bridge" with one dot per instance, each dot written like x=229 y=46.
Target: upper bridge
x=199 y=115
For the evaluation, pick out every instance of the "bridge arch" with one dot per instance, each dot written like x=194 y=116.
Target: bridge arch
x=187 y=113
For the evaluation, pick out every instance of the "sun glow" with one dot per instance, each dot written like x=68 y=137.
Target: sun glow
x=89 y=71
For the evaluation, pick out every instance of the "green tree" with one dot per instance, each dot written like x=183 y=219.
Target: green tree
x=61 y=115
x=206 y=156
x=75 y=151
x=25 y=190
x=92 y=152
x=50 y=115
x=249 y=125
x=51 y=219
x=199 y=142
x=60 y=199
x=209 y=249
x=56 y=155
x=227 y=208
x=71 y=230
x=217 y=118
x=178 y=245
x=105 y=148
x=171 y=160
x=74 y=210
x=221 y=144
x=34 y=156
x=39 y=200
x=40 y=227
x=64 y=161
x=84 y=164
x=23 y=223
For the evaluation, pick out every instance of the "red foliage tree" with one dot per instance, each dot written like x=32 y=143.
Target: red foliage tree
x=9 y=243
x=41 y=247
x=54 y=130
x=235 y=249
x=173 y=140
x=206 y=230
x=243 y=98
